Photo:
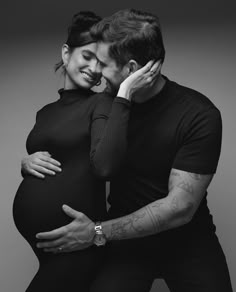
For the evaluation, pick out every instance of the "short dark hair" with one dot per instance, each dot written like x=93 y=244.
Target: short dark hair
x=133 y=34
x=79 y=31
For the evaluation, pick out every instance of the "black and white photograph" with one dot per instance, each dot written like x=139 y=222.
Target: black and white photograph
x=118 y=146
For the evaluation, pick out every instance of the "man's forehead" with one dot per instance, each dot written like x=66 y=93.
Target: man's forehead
x=103 y=51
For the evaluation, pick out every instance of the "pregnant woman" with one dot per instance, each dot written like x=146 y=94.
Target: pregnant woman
x=63 y=129
x=75 y=131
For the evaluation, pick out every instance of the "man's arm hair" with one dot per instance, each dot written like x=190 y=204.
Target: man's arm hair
x=186 y=191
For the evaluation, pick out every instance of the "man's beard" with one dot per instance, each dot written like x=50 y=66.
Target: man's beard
x=111 y=89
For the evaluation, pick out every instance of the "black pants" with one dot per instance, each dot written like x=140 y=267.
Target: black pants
x=193 y=264
x=66 y=272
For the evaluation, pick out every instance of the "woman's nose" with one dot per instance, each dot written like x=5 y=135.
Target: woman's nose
x=95 y=67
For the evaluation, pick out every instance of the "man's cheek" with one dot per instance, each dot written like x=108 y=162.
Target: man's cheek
x=108 y=88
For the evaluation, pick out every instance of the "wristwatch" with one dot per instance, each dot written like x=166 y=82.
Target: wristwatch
x=99 y=238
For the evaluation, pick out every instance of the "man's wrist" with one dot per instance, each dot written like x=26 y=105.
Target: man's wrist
x=99 y=238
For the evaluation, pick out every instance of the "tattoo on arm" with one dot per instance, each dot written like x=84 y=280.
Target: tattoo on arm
x=179 y=179
x=122 y=228
x=174 y=205
x=185 y=193
x=174 y=175
x=158 y=221
x=154 y=218
x=186 y=186
x=195 y=176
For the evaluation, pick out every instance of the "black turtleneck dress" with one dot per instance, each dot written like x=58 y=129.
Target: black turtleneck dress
x=74 y=130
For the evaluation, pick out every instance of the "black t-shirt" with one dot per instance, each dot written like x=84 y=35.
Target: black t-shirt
x=179 y=128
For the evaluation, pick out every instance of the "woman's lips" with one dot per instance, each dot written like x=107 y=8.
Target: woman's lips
x=89 y=77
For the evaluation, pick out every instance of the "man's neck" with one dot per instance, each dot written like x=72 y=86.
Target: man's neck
x=146 y=94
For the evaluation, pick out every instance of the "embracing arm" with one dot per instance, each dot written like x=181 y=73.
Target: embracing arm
x=186 y=191
x=109 y=125
x=109 y=135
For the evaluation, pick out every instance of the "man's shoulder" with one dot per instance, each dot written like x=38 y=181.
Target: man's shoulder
x=190 y=97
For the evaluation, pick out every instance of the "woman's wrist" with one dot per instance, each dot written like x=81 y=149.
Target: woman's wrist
x=124 y=92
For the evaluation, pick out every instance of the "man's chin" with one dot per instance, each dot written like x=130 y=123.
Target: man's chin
x=111 y=90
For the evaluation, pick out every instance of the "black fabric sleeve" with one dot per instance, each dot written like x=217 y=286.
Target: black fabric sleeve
x=109 y=135
x=201 y=145
x=23 y=174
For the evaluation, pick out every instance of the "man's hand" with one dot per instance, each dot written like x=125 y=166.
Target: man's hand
x=77 y=235
x=144 y=78
x=40 y=163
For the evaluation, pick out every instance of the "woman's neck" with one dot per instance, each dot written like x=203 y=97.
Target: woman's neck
x=68 y=84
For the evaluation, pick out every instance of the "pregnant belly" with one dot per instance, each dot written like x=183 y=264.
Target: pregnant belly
x=38 y=203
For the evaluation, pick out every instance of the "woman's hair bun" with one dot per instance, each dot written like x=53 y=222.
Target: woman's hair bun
x=83 y=21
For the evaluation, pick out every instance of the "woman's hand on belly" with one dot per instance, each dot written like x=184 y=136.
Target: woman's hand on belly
x=40 y=163
x=77 y=235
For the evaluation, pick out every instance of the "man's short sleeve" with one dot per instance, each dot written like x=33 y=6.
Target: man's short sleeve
x=201 y=145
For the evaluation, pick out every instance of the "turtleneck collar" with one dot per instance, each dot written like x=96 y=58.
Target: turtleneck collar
x=71 y=95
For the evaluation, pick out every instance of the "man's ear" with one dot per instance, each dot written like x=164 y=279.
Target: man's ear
x=132 y=66
x=65 y=54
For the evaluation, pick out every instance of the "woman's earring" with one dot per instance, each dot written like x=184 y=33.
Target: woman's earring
x=98 y=83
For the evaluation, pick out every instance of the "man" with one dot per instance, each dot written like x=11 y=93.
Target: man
x=160 y=224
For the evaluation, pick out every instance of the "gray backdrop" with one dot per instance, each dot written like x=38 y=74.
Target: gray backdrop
x=200 y=45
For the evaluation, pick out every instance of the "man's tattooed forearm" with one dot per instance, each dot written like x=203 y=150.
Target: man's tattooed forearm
x=158 y=222
x=157 y=204
x=152 y=217
x=121 y=229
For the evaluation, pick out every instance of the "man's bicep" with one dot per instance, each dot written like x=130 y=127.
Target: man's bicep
x=188 y=188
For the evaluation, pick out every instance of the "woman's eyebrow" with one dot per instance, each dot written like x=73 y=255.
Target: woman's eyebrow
x=89 y=52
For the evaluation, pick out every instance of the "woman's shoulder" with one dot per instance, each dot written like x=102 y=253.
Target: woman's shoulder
x=48 y=106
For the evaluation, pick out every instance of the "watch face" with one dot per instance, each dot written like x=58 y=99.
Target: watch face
x=99 y=240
